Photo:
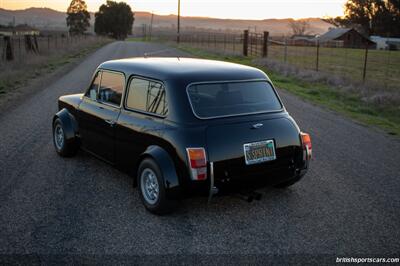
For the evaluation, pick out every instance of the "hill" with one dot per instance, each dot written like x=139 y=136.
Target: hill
x=49 y=19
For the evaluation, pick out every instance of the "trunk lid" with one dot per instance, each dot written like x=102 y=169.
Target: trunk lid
x=225 y=145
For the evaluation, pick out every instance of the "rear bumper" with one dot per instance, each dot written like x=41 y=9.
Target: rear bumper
x=242 y=182
x=257 y=181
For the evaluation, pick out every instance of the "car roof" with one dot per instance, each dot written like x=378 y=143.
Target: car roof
x=184 y=69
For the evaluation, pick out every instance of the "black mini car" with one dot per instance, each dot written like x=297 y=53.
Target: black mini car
x=184 y=126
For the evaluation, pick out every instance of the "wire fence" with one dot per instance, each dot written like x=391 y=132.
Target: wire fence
x=17 y=50
x=358 y=64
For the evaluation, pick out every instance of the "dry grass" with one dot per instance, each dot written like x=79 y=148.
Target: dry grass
x=52 y=55
x=370 y=93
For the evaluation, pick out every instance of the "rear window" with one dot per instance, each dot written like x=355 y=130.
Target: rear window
x=232 y=98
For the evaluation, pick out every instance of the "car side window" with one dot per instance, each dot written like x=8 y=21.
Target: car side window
x=147 y=95
x=111 y=87
x=93 y=90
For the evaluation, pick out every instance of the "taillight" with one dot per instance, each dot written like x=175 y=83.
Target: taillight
x=197 y=163
x=307 y=147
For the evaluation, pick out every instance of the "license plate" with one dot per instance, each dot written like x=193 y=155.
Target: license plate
x=258 y=152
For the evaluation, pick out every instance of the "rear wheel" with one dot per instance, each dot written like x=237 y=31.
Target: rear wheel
x=63 y=146
x=151 y=188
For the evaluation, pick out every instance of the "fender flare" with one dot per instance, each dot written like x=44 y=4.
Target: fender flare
x=69 y=123
x=167 y=167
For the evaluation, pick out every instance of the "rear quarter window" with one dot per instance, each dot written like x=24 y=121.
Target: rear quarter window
x=147 y=96
x=210 y=100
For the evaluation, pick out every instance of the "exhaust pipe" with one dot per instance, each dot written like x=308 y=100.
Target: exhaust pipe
x=246 y=196
x=249 y=196
x=256 y=195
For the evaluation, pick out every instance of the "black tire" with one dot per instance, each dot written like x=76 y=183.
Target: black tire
x=287 y=183
x=64 y=147
x=161 y=204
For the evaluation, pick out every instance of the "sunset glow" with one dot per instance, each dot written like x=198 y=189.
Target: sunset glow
x=238 y=9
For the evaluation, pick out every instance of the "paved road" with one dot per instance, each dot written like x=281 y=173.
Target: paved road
x=348 y=204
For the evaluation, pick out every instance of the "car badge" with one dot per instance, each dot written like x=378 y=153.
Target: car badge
x=256 y=126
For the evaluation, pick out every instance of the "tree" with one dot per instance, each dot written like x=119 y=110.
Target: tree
x=78 y=17
x=372 y=17
x=114 y=19
x=299 y=27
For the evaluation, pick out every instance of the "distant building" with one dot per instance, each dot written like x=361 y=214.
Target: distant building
x=303 y=40
x=19 y=30
x=383 y=43
x=348 y=37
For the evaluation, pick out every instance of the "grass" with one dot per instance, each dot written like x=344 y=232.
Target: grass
x=347 y=103
x=382 y=69
x=20 y=74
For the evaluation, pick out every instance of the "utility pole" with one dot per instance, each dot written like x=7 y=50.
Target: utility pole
x=151 y=25
x=179 y=22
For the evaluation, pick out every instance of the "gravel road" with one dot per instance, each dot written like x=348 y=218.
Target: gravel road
x=347 y=205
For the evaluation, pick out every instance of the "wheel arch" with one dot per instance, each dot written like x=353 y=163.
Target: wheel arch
x=167 y=167
x=69 y=122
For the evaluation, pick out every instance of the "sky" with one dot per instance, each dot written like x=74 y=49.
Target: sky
x=236 y=9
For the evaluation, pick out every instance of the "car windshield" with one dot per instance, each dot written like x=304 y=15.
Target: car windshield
x=210 y=100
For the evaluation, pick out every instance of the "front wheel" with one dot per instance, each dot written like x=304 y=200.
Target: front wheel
x=63 y=146
x=151 y=188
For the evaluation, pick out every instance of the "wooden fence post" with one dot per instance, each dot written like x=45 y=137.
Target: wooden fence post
x=8 y=49
x=224 y=42
x=365 y=62
x=234 y=42
x=317 y=62
x=36 y=44
x=285 y=52
x=19 y=48
x=245 y=42
x=265 y=44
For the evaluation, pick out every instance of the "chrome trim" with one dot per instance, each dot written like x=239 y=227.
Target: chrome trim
x=257 y=126
x=110 y=122
x=234 y=81
x=211 y=182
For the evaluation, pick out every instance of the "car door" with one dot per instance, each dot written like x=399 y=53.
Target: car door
x=99 y=112
x=141 y=120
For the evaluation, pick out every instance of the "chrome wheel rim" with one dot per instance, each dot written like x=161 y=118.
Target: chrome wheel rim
x=59 y=136
x=149 y=186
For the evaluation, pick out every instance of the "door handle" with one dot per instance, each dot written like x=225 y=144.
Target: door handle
x=110 y=122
